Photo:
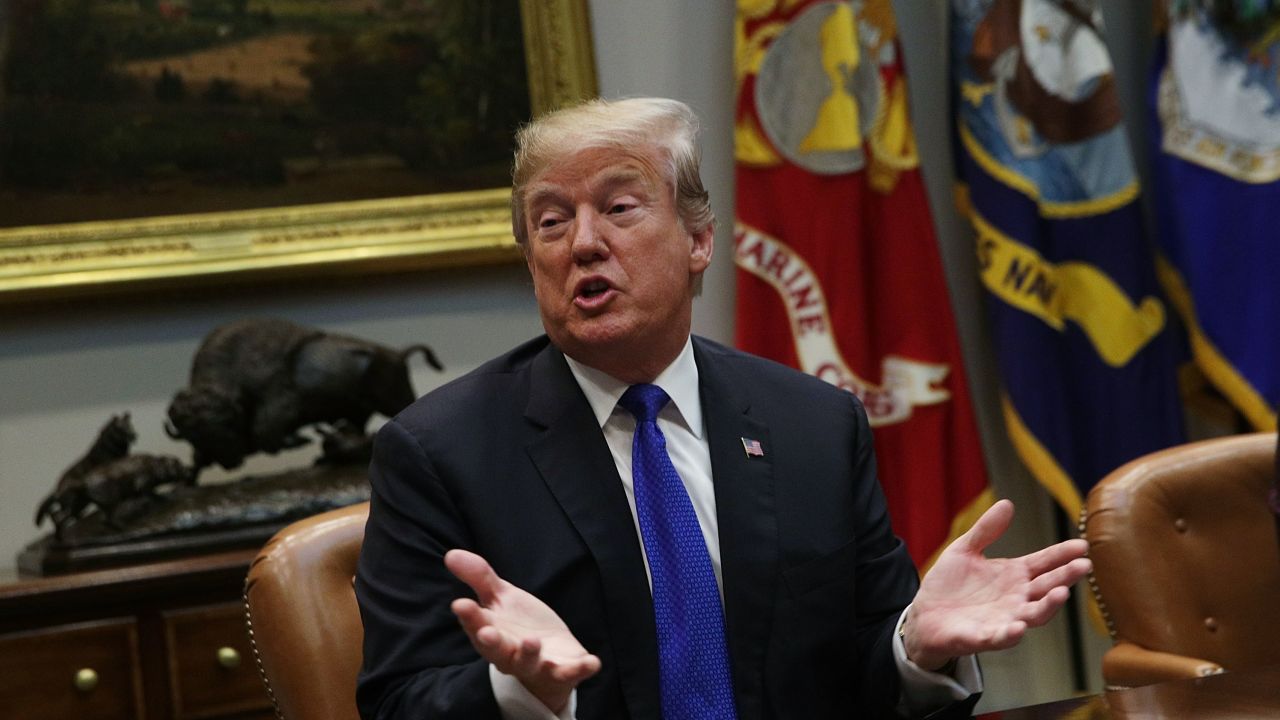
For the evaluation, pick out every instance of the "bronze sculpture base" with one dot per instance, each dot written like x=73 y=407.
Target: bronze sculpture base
x=197 y=519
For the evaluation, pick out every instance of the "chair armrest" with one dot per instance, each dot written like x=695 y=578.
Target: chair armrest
x=1129 y=665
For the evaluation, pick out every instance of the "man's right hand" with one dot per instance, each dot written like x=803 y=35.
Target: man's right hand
x=518 y=633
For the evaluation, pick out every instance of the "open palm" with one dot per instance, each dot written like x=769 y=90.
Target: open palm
x=969 y=603
x=519 y=633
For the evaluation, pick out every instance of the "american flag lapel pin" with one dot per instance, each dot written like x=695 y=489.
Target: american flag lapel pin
x=752 y=447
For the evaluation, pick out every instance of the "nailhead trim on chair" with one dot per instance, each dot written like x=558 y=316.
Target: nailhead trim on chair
x=1093 y=584
x=257 y=656
x=1097 y=596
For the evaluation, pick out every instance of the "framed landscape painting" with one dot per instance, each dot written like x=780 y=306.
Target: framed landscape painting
x=167 y=142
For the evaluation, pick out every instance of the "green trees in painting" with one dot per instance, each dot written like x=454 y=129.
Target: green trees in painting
x=122 y=96
x=465 y=103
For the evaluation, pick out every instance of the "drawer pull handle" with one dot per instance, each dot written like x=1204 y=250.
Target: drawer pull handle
x=86 y=679
x=228 y=657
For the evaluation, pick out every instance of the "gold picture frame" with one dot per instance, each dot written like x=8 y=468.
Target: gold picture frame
x=399 y=233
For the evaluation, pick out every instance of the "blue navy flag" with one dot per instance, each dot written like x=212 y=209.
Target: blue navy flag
x=1215 y=101
x=1086 y=356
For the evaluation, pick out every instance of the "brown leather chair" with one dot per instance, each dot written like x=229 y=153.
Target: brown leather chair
x=1186 y=561
x=304 y=624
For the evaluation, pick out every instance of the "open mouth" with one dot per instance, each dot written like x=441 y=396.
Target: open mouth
x=593 y=289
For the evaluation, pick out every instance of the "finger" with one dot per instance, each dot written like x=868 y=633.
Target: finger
x=477 y=622
x=525 y=659
x=491 y=644
x=497 y=648
x=1042 y=611
x=985 y=638
x=511 y=655
x=1046 y=559
x=577 y=670
x=471 y=616
x=993 y=523
x=1064 y=576
x=1008 y=636
x=495 y=642
x=475 y=571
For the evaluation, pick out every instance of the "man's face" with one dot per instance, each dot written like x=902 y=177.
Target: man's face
x=612 y=264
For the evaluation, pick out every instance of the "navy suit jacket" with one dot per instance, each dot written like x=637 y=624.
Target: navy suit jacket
x=509 y=462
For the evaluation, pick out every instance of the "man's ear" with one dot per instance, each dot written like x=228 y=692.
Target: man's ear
x=525 y=254
x=703 y=247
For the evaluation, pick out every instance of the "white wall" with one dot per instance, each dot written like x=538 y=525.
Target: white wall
x=66 y=367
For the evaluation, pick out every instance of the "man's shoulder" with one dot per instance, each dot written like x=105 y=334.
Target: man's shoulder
x=763 y=373
x=515 y=361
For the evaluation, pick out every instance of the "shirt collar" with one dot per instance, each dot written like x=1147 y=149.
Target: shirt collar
x=679 y=380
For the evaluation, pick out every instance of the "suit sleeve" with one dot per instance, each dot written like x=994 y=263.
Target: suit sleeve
x=887 y=581
x=418 y=663
x=885 y=578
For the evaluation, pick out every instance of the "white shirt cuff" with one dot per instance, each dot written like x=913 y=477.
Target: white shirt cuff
x=515 y=702
x=924 y=691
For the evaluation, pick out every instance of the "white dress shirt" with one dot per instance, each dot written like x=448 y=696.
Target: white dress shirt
x=681 y=424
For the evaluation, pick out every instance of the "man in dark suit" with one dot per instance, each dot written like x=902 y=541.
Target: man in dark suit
x=531 y=494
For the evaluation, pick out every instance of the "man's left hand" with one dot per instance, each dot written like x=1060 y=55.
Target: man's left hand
x=969 y=603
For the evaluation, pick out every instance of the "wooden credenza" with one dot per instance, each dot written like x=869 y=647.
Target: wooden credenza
x=161 y=641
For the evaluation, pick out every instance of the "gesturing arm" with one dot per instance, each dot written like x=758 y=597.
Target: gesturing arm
x=428 y=645
x=417 y=660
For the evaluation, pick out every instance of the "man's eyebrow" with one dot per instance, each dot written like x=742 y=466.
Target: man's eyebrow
x=543 y=195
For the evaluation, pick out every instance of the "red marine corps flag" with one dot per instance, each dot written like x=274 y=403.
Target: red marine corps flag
x=839 y=269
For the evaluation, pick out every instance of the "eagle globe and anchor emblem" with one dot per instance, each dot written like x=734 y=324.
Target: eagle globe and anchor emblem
x=821 y=101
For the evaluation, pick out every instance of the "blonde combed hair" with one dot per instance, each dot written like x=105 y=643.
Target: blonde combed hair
x=669 y=126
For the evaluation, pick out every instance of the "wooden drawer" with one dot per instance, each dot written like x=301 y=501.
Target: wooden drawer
x=211 y=667
x=38 y=672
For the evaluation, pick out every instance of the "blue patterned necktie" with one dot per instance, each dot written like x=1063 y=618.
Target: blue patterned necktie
x=693 y=659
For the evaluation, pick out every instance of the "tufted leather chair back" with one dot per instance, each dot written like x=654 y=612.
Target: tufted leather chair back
x=304 y=623
x=1186 y=560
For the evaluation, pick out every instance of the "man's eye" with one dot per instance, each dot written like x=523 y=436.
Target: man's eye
x=619 y=208
x=548 y=221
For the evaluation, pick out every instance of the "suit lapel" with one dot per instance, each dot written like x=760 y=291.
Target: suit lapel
x=584 y=480
x=746 y=516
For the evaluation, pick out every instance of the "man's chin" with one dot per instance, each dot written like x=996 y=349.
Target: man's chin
x=597 y=340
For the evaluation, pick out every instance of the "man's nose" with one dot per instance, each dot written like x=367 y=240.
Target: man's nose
x=590 y=242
